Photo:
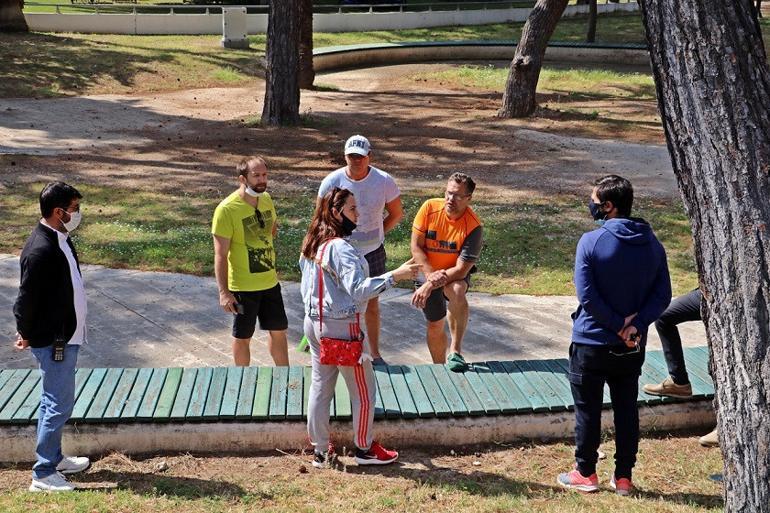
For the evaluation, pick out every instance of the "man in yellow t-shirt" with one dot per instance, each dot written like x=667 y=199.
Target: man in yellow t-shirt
x=446 y=240
x=243 y=227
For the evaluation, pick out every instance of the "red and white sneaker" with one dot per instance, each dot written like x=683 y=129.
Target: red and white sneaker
x=376 y=455
x=576 y=481
x=622 y=486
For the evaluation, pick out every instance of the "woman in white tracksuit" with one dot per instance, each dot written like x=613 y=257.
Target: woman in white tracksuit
x=347 y=288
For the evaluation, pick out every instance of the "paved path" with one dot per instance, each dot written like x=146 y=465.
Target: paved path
x=151 y=319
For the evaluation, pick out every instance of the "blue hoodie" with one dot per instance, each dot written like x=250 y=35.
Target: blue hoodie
x=620 y=269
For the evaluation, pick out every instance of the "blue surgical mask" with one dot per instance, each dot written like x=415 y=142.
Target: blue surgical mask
x=596 y=210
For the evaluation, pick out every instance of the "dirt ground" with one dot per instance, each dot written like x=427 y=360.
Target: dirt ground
x=421 y=132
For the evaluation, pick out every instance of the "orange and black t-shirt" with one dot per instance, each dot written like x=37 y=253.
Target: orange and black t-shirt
x=446 y=240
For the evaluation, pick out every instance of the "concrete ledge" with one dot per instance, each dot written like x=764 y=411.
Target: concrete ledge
x=357 y=56
x=18 y=442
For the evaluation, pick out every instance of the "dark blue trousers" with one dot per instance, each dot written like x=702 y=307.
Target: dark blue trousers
x=682 y=309
x=590 y=367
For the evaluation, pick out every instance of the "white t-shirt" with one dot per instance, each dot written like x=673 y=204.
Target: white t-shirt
x=372 y=193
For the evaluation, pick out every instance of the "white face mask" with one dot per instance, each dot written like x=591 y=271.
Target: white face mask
x=74 y=221
x=251 y=192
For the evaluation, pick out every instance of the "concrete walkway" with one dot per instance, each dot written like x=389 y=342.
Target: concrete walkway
x=151 y=319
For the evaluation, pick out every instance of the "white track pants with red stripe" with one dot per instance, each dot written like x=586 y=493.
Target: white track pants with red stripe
x=359 y=380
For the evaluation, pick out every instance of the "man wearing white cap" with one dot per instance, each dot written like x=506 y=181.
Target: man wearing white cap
x=376 y=194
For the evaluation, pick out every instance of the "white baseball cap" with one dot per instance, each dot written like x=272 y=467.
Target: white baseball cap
x=357 y=144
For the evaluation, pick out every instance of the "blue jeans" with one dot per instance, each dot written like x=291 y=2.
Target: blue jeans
x=56 y=403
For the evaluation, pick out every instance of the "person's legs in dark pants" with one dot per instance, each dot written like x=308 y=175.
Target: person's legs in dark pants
x=623 y=392
x=587 y=386
x=682 y=309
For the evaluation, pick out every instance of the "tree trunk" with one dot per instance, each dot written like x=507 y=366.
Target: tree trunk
x=281 y=76
x=11 y=16
x=306 y=71
x=592 y=15
x=519 y=94
x=713 y=84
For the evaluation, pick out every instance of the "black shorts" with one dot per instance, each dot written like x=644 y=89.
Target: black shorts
x=267 y=305
x=435 y=306
x=376 y=260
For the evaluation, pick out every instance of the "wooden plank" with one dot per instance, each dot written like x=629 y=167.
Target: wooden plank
x=554 y=402
x=497 y=392
x=29 y=406
x=261 y=407
x=5 y=375
x=419 y=396
x=433 y=390
x=651 y=375
x=151 y=394
x=387 y=394
x=559 y=385
x=466 y=392
x=278 y=393
x=536 y=401
x=167 y=395
x=342 y=405
x=120 y=396
x=401 y=389
x=485 y=397
x=379 y=408
x=216 y=393
x=88 y=393
x=15 y=379
x=199 y=393
x=103 y=395
x=232 y=390
x=454 y=401
x=517 y=398
x=135 y=397
x=183 y=393
x=308 y=379
x=246 y=393
x=294 y=393
x=18 y=397
x=699 y=363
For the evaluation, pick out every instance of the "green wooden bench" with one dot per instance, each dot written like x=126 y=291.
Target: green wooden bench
x=261 y=394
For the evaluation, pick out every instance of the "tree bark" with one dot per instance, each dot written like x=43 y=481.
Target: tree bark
x=12 y=17
x=592 y=15
x=519 y=95
x=306 y=71
x=713 y=85
x=282 y=73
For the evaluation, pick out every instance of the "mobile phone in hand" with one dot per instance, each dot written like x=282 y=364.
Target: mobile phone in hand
x=239 y=308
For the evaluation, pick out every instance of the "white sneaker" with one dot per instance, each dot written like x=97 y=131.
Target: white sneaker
x=53 y=483
x=73 y=464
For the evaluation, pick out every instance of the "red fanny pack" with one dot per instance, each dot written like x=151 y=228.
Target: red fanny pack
x=338 y=351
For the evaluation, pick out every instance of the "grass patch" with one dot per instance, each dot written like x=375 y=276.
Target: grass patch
x=529 y=245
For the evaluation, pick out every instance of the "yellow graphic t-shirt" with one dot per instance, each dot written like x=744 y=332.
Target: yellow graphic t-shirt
x=251 y=261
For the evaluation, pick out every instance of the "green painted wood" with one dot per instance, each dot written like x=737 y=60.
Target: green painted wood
x=18 y=397
x=183 y=394
x=120 y=397
x=294 y=392
x=232 y=389
x=517 y=397
x=261 y=407
x=485 y=397
x=699 y=388
x=433 y=390
x=102 y=398
x=5 y=375
x=465 y=390
x=199 y=393
x=278 y=393
x=658 y=369
x=387 y=395
x=699 y=362
x=502 y=399
x=136 y=396
x=560 y=379
x=536 y=401
x=379 y=407
x=167 y=395
x=15 y=379
x=419 y=396
x=451 y=395
x=30 y=405
x=216 y=393
x=88 y=393
x=307 y=380
x=650 y=375
x=540 y=384
x=342 y=405
x=401 y=389
x=246 y=393
x=151 y=394
x=559 y=385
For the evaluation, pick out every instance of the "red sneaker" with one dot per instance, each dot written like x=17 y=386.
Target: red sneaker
x=576 y=481
x=376 y=455
x=622 y=486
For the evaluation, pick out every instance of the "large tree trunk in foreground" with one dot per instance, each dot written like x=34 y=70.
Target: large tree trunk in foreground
x=281 y=77
x=592 y=15
x=519 y=94
x=306 y=71
x=11 y=16
x=713 y=84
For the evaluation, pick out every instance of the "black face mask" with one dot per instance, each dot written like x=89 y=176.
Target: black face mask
x=596 y=210
x=347 y=225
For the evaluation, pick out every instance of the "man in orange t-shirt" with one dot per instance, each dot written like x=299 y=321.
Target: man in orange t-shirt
x=446 y=240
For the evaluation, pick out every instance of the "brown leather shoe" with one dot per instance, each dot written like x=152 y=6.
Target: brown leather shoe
x=669 y=388
x=710 y=440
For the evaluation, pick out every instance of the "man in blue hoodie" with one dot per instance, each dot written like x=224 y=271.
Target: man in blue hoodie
x=623 y=285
